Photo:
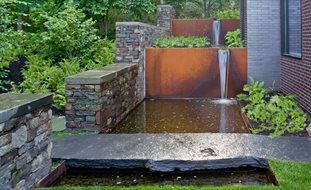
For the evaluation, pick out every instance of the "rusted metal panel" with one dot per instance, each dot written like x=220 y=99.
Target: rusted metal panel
x=182 y=73
x=189 y=27
x=228 y=25
x=237 y=73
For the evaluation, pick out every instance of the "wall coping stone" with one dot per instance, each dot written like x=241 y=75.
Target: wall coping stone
x=100 y=75
x=15 y=105
x=139 y=24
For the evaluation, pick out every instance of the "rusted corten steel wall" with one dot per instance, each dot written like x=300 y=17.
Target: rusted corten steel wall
x=192 y=72
x=190 y=27
x=296 y=73
x=203 y=27
x=228 y=25
x=237 y=72
x=182 y=73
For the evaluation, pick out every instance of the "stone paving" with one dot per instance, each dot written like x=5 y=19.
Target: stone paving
x=167 y=152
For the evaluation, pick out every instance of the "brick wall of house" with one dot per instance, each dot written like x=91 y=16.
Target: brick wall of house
x=296 y=73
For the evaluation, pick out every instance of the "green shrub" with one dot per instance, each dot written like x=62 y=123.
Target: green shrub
x=100 y=54
x=66 y=43
x=14 y=45
x=3 y=82
x=42 y=76
x=190 y=42
x=68 y=33
x=228 y=14
x=277 y=114
x=233 y=39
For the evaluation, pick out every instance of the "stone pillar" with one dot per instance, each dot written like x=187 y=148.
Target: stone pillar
x=100 y=102
x=132 y=38
x=25 y=145
x=166 y=14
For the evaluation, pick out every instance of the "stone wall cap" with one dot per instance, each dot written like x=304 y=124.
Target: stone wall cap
x=165 y=6
x=14 y=105
x=99 y=75
x=135 y=24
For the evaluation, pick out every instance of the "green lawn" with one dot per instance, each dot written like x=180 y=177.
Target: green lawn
x=291 y=176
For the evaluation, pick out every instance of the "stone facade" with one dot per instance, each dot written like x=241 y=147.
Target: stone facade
x=99 y=99
x=132 y=39
x=264 y=40
x=25 y=146
x=166 y=14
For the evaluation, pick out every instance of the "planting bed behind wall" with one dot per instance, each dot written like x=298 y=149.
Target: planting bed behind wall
x=192 y=72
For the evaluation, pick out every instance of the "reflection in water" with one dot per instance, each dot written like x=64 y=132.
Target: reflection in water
x=183 y=116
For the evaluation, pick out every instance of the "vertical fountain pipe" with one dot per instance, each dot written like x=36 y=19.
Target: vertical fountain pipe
x=223 y=58
x=216 y=32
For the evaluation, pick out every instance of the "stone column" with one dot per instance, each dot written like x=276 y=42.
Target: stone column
x=166 y=14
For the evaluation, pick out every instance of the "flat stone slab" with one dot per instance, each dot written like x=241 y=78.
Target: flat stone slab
x=14 y=105
x=168 y=152
x=100 y=75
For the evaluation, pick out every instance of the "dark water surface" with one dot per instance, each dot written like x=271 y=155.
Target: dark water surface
x=183 y=116
x=132 y=178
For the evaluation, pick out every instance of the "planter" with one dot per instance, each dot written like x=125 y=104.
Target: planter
x=237 y=73
x=203 y=27
x=192 y=72
x=52 y=178
x=228 y=25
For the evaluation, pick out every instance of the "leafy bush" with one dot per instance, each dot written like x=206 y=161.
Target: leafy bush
x=3 y=82
x=228 y=14
x=9 y=13
x=233 y=39
x=17 y=44
x=190 y=42
x=42 y=76
x=99 y=54
x=277 y=114
x=65 y=43
x=68 y=33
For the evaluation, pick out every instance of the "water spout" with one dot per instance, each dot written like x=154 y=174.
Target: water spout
x=223 y=58
x=216 y=32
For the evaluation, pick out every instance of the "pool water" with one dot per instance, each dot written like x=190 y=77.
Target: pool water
x=183 y=116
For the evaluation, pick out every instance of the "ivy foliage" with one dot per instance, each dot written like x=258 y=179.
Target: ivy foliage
x=277 y=114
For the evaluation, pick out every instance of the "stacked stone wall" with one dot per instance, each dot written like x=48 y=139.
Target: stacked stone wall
x=98 y=100
x=25 y=146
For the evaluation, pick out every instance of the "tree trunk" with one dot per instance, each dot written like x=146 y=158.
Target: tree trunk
x=20 y=23
x=106 y=24
x=102 y=26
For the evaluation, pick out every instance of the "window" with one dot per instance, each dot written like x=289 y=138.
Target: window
x=291 y=28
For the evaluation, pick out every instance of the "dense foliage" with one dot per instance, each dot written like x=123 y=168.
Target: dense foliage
x=61 y=41
x=3 y=82
x=190 y=42
x=227 y=14
x=204 y=8
x=275 y=113
x=233 y=39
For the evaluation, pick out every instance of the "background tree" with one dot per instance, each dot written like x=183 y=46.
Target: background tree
x=101 y=10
